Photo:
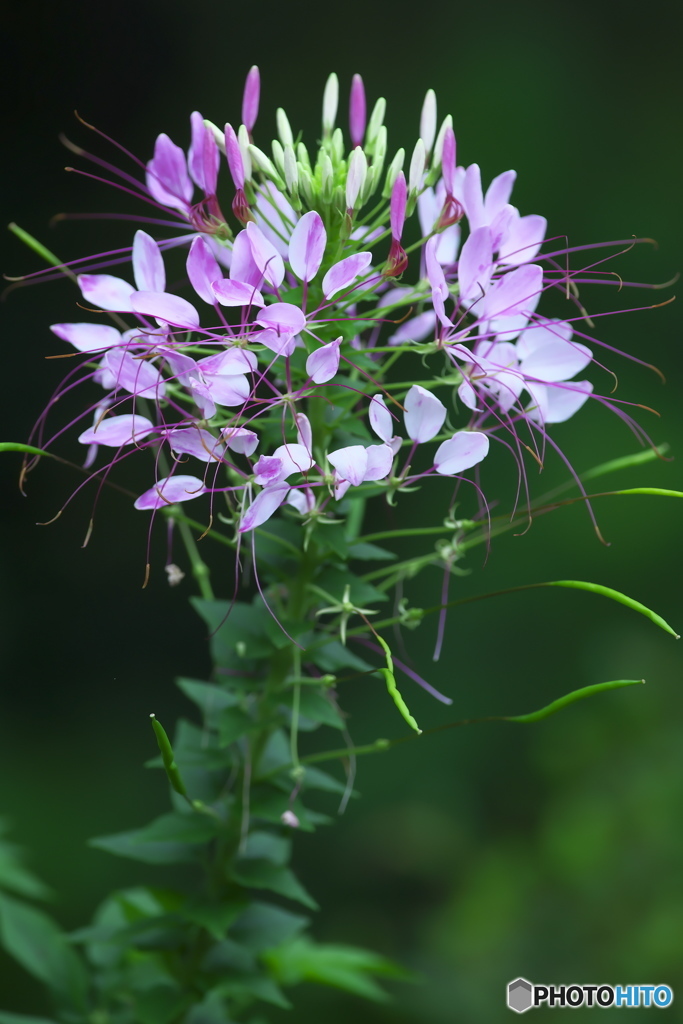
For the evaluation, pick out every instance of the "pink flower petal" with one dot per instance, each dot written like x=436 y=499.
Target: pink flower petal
x=307 y=246
x=380 y=418
x=475 y=265
x=240 y=440
x=344 y=273
x=87 y=337
x=424 y=414
x=115 y=431
x=295 y=458
x=136 y=376
x=284 y=317
x=203 y=270
x=203 y=157
x=266 y=256
x=322 y=365
x=522 y=240
x=263 y=506
x=106 y=292
x=148 y=264
x=197 y=442
x=167 y=177
x=380 y=460
x=465 y=449
x=236 y=293
x=351 y=463
x=170 y=309
x=169 y=490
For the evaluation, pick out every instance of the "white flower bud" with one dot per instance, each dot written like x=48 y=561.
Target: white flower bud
x=395 y=167
x=243 y=140
x=278 y=156
x=327 y=171
x=417 y=168
x=355 y=179
x=428 y=120
x=302 y=155
x=265 y=165
x=330 y=104
x=375 y=123
x=218 y=135
x=291 y=171
x=283 y=128
x=438 y=147
x=337 y=145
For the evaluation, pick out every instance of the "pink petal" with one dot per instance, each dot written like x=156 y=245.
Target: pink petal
x=250 y=100
x=556 y=361
x=424 y=414
x=167 y=177
x=523 y=238
x=115 y=431
x=240 y=440
x=195 y=441
x=498 y=194
x=474 y=198
x=304 y=434
x=307 y=246
x=561 y=403
x=345 y=272
x=397 y=206
x=380 y=460
x=322 y=365
x=203 y=270
x=136 y=376
x=203 y=158
x=169 y=490
x=475 y=265
x=280 y=344
x=283 y=317
x=236 y=293
x=542 y=332
x=351 y=463
x=106 y=292
x=266 y=256
x=228 y=390
x=380 y=418
x=295 y=458
x=242 y=265
x=87 y=337
x=148 y=265
x=232 y=360
x=357 y=111
x=263 y=506
x=465 y=449
x=170 y=309
x=234 y=155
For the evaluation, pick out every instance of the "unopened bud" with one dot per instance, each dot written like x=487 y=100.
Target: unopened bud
x=283 y=128
x=417 y=168
x=337 y=145
x=290 y=819
x=357 y=111
x=395 y=167
x=302 y=155
x=174 y=573
x=305 y=182
x=290 y=169
x=374 y=124
x=218 y=135
x=327 y=175
x=330 y=104
x=250 y=101
x=278 y=156
x=428 y=120
x=438 y=146
x=355 y=179
x=243 y=140
x=265 y=165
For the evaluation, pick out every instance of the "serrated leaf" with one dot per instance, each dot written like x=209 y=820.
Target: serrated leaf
x=35 y=941
x=263 y=874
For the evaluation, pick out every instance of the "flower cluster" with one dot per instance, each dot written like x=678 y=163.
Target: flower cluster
x=269 y=381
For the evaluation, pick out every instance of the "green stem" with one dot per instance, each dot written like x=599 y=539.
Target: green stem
x=200 y=569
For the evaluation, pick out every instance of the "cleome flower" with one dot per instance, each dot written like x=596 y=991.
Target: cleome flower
x=260 y=377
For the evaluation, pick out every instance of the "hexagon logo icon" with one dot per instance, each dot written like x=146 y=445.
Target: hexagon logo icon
x=520 y=995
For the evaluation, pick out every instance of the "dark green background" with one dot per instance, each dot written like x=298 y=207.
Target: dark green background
x=553 y=851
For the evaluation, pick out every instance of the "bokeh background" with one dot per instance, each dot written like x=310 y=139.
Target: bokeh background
x=478 y=854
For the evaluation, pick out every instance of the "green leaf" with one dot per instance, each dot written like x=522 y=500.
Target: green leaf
x=264 y=925
x=263 y=845
x=263 y=874
x=35 y=941
x=615 y=595
x=237 y=632
x=345 y=967
x=208 y=697
x=316 y=707
x=15 y=877
x=38 y=248
x=211 y=1010
x=229 y=957
x=314 y=778
x=332 y=537
x=562 y=702
x=215 y=918
x=258 y=987
x=269 y=804
x=171 y=839
x=333 y=655
x=233 y=724
x=160 y=1005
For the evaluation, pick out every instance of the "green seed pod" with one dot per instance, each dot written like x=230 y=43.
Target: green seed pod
x=167 y=757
